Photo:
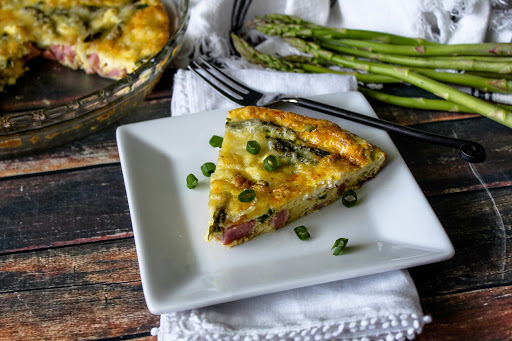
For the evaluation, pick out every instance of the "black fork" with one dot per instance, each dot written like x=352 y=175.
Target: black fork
x=241 y=94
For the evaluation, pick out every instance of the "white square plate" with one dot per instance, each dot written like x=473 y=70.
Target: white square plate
x=392 y=226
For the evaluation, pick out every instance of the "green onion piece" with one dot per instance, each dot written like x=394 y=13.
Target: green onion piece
x=339 y=245
x=208 y=168
x=271 y=163
x=247 y=195
x=216 y=141
x=349 y=198
x=253 y=147
x=191 y=181
x=302 y=232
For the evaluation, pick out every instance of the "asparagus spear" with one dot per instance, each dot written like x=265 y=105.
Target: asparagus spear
x=291 y=25
x=473 y=65
x=420 y=102
x=482 y=49
x=486 y=109
x=298 y=63
x=302 y=64
x=500 y=85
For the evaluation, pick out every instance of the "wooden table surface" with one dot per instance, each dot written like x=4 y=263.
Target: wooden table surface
x=68 y=266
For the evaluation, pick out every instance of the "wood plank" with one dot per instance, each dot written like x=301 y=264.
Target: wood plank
x=106 y=262
x=91 y=291
x=95 y=149
x=483 y=315
x=98 y=311
x=440 y=170
x=63 y=208
x=478 y=224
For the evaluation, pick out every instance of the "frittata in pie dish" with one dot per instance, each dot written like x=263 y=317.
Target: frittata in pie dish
x=107 y=37
x=301 y=165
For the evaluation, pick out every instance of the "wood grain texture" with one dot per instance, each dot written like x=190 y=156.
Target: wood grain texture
x=106 y=262
x=63 y=208
x=479 y=224
x=482 y=315
x=90 y=291
x=76 y=313
x=439 y=169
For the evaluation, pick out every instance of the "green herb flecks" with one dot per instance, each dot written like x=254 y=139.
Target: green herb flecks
x=339 y=245
x=208 y=168
x=271 y=163
x=247 y=195
x=349 y=198
x=253 y=147
x=192 y=181
x=216 y=141
x=302 y=232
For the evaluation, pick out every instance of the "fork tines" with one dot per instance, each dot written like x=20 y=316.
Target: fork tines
x=223 y=83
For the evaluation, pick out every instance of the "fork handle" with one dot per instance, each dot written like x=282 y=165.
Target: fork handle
x=468 y=150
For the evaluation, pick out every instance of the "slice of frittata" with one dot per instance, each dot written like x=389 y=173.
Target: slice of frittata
x=275 y=167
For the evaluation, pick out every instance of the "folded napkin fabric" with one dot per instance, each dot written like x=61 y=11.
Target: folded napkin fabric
x=191 y=94
x=377 y=307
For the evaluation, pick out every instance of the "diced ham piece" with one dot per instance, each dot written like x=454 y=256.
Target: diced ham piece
x=341 y=189
x=279 y=219
x=94 y=67
x=320 y=205
x=94 y=63
x=237 y=232
x=70 y=55
x=66 y=55
x=61 y=53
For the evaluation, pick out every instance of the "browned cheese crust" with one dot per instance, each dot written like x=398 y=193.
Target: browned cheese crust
x=110 y=38
x=317 y=160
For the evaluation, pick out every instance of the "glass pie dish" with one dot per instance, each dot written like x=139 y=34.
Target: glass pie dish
x=52 y=105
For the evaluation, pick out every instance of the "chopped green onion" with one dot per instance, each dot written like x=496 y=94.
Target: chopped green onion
x=349 y=198
x=253 y=147
x=216 y=141
x=191 y=181
x=271 y=163
x=339 y=245
x=302 y=232
x=208 y=168
x=247 y=195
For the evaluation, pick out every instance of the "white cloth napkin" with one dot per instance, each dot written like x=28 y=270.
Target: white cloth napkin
x=191 y=94
x=377 y=307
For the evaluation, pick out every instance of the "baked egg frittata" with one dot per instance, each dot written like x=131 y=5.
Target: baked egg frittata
x=108 y=37
x=312 y=163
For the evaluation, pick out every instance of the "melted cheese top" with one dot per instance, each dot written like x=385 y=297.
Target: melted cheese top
x=123 y=33
x=313 y=154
